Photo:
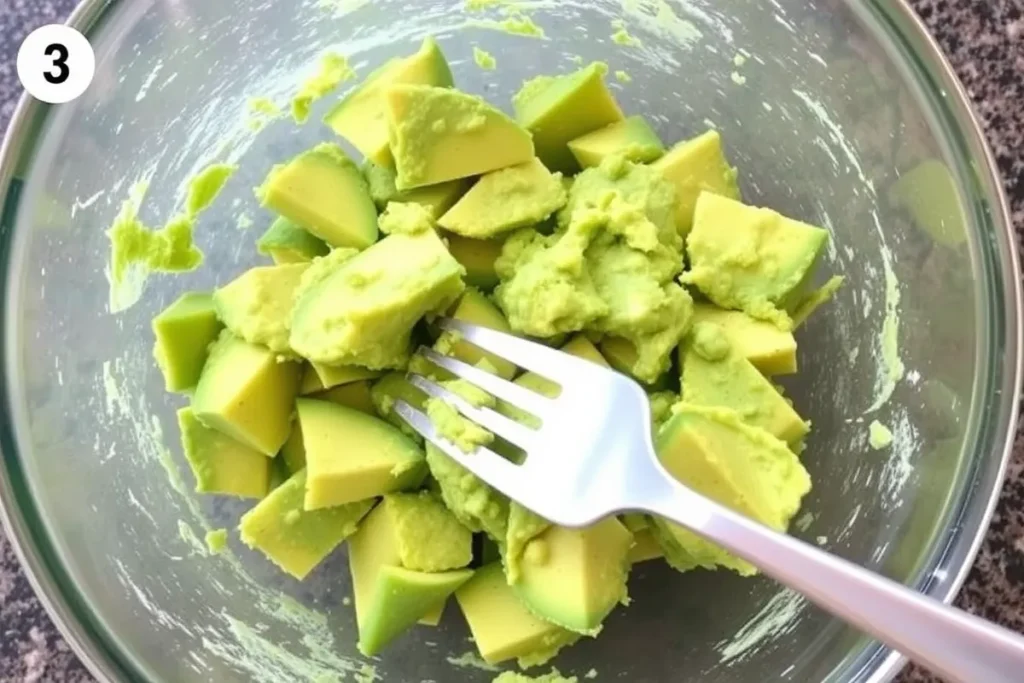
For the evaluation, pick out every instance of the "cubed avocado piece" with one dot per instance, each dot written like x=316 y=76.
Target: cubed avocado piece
x=559 y=109
x=433 y=617
x=514 y=197
x=439 y=134
x=733 y=382
x=436 y=199
x=476 y=504
x=717 y=454
x=360 y=116
x=403 y=597
x=355 y=395
x=394 y=387
x=816 y=299
x=770 y=349
x=632 y=138
x=219 y=463
x=293 y=538
x=293 y=452
x=247 y=392
x=645 y=547
x=477 y=257
x=750 y=259
x=256 y=306
x=474 y=307
x=287 y=242
x=184 y=332
x=622 y=355
x=696 y=166
x=364 y=312
x=635 y=521
x=323 y=191
x=575 y=577
x=523 y=526
x=501 y=625
x=351 y=456
x=331 y=376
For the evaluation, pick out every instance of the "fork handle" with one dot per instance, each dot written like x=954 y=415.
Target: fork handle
x=951 y=642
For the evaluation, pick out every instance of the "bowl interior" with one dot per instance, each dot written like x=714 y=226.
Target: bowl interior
x=832 y=114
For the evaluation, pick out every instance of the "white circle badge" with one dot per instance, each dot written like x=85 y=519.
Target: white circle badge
x=56 y=63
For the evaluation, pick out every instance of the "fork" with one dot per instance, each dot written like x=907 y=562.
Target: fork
x=593 y=455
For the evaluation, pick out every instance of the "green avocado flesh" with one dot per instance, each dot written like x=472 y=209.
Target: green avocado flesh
x=567 y=223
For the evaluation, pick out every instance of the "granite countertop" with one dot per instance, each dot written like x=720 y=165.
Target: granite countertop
x=985 y=41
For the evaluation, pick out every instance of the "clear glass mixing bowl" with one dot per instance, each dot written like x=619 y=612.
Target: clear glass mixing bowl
x=841 y=114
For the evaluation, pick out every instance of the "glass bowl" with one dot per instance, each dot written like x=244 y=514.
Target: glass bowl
x=841 y=114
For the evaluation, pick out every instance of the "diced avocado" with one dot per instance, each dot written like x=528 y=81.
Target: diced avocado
x=279 y=473
x=770 y=349
x=295 y=539
x=184 y=332
x=502 y=627
x=477 y=257
x=310 y=383
x=355 y=395
x=394 y=387
x=714 y=452
x=750 y=259
x=621 y=355
x=256 y=305
x=581 y=347
x=363 y=313
x=219 y=463
x=560 y=109
x=816 y=299
x=661 y=407
x=436 y=199
x=645 y=547
x=433 y=617
x=323 y=191
x=335 y=375
x=293 y=452
x=514 y=197
x=696 y=166
x=287 y=242
x=360 y=116
x=575 y=577
x=246 y=392
x=352 y=456
x=523 y=526
x=474 y=307
x=733 y=382
x=403 y=597
x=632 y=138
x=439 y=134
x=478 y=506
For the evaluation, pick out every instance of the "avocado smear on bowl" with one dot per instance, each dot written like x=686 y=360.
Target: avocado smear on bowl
x=566 y=222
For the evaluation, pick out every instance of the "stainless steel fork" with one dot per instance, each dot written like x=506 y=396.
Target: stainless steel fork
x=593 y=456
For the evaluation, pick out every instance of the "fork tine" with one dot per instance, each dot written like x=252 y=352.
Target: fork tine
x=512 y=393
x=510 y=430
x=483 y=462
x=535 y=357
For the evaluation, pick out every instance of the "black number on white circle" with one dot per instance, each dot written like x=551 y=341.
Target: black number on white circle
x=60 y=71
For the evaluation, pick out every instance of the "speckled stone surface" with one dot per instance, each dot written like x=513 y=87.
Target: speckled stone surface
x=985 y=41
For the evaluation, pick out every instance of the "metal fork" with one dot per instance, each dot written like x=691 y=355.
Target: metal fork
x=593 y=456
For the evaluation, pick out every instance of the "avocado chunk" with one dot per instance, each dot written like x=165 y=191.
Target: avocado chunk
x=279 y=473
x=514 y=197
x=477 y=257
x=750 y=259
x=478 y=506
x=770 y=349
x=246 y=392
x=622 y=355
x=184 y=332
x=575 y=577
x=474 y=307
x=323 y=191
x=363 y=312
x=360 y=116
x=733 y=382
x=523 y=526
x=632 y=138
x=645 y=547
x=355 y=395
x=390 y=389
x=219 y=463
x=293 y=452
x=256 y=305
x=436 y=199
x=439 y=134
x=287 y=242
x=713 y=451
x=502 y=627
x=559 y=109
x=696 y=166
x=352 y=456
x=293 y=538
x=330 y=376
x=816 y=299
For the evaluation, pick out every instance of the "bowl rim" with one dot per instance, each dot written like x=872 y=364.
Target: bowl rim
x=106 y=665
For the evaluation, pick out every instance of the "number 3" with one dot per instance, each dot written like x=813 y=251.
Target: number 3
x=60 y=62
